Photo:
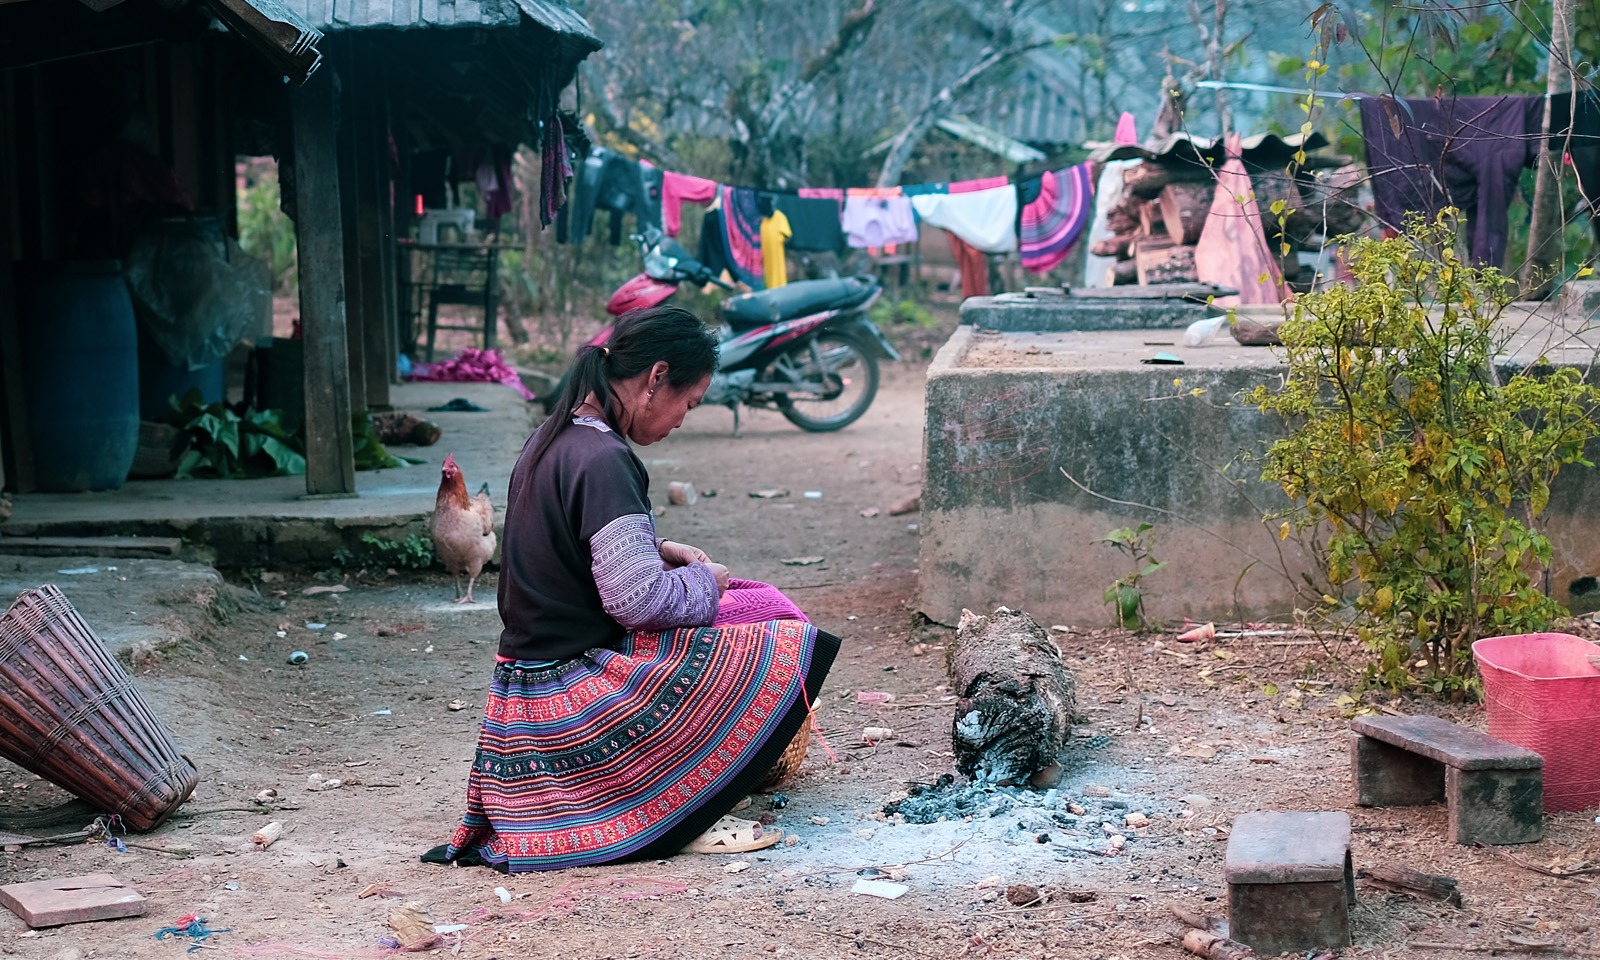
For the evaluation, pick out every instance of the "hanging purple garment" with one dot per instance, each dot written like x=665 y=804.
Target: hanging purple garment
x=741 y=221
x=1052 y=223
x=1468 y=152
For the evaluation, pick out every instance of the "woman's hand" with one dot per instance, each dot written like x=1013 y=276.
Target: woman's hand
x=675 y=555
x=721 y=574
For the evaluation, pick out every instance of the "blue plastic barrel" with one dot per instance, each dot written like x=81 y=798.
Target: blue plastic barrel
x=80 y=373
x=160 y=380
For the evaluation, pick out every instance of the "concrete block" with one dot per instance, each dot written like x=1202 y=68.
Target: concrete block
x=1290 y=881
x=1580 y=302
x=1007 y=413
x=1015 y=312
x=1495 y=806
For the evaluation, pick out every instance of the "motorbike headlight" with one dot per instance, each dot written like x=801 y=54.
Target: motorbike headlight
x=659 y=266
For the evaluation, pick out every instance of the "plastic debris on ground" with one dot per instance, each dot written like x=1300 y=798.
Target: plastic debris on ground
x=193 y=927
x=880 y=888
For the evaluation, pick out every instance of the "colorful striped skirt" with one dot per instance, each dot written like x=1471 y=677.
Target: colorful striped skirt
x=630 y=753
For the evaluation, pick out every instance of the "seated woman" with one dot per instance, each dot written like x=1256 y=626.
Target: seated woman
x=639 y=693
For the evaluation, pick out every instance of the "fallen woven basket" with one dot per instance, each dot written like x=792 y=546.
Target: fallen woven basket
x=70 y=713
x=793 y=755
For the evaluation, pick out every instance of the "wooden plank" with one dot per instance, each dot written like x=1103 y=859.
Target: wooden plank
x=91 y=546
x=388 y=192
x=330 y=450
x=18 y=444
x=183 y=96
x=1454 y=746
x=1197 y=292
x=373 y=156
x=355 y=300
x=51 y=903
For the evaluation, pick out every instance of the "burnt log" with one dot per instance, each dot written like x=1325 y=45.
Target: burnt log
x=1015 y=700
x=1398 y=879
x=1150 y=219
x=1119 y=246
x=1184 y=208
x=1159 y=260
x=1146 y=180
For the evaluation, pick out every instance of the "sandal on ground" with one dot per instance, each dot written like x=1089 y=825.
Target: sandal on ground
x=733 y=835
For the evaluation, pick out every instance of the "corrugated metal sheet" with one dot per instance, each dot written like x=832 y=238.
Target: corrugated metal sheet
x=334 y=16
x=1183 y=148
x=279 y=32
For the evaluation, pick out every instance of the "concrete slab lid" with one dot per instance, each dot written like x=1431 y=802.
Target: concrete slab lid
x=1274 y=847
x=1452 y=745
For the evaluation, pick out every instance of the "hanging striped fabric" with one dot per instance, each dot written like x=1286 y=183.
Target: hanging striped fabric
x=1052 y=223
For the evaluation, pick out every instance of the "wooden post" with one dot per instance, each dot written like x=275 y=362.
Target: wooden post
x=1544 y=231
x=372 y=164
x=330 y=445
x=348 y=123
x=18 y=445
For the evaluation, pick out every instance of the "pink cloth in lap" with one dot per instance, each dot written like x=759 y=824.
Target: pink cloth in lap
x=751 y=601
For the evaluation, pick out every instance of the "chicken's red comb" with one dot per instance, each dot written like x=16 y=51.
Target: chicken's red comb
x=450 y=461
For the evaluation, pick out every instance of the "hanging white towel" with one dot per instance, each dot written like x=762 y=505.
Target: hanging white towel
x=984 y=219
x=878 y=221
x=1106 y=199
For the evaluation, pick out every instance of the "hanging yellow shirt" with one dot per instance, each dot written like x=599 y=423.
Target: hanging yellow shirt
x=774 y=231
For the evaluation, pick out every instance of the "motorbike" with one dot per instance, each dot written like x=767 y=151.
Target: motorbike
x=806 y=349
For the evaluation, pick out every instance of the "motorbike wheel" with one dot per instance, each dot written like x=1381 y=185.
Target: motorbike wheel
x=848 y=371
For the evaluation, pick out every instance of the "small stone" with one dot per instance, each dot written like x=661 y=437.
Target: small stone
x=1136 y=820
x=791 y=839
x=1198 y=801
x=1022 y=894
x=1118 y=841
x=68 y=953
x=737 y=866
x=1076 y=809
x=819 y=821
x=870 y=512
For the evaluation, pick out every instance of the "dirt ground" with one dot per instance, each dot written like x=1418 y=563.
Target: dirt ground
x=1188 y=735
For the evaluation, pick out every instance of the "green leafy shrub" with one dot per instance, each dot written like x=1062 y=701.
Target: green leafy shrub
x=415 y=552
x=1425 y=467
x=224 y=444
x=889 y=313
x=1125 y=595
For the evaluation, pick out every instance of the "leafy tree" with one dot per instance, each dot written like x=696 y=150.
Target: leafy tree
x=1426 y=465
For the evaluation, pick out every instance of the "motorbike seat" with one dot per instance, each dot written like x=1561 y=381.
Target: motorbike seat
x=797 y=299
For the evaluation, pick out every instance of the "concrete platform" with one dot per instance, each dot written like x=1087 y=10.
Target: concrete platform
x=1007 y=413
x=1023 y=312
x=271 y=521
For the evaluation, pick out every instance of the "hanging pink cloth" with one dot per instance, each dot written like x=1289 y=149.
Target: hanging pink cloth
x=471 y=366
x=1234 y=251
x=973 y=186
x=678 y=188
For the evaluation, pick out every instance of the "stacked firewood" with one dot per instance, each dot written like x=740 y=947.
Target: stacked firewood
x=1164 y=206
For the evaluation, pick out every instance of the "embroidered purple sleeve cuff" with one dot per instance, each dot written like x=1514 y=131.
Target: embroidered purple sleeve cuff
x=636 y=591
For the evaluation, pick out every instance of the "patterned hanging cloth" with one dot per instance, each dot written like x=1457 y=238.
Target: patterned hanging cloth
x=1053 y=222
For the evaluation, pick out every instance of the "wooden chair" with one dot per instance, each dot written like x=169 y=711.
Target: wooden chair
x=465 y=275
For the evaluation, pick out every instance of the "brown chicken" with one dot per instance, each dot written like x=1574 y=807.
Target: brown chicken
x=462 y=528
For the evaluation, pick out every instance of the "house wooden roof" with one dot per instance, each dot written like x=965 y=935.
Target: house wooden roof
x=338 y=15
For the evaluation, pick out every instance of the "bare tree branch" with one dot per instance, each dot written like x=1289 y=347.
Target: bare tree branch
x=905 y=142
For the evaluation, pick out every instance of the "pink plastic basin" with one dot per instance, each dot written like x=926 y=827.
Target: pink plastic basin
x=1543 y=693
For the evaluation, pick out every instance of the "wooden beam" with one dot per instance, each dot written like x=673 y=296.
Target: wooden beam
x=389 y=195
x=330 y=444
x=16 y=442
x=350 y=73
x=372 y=164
